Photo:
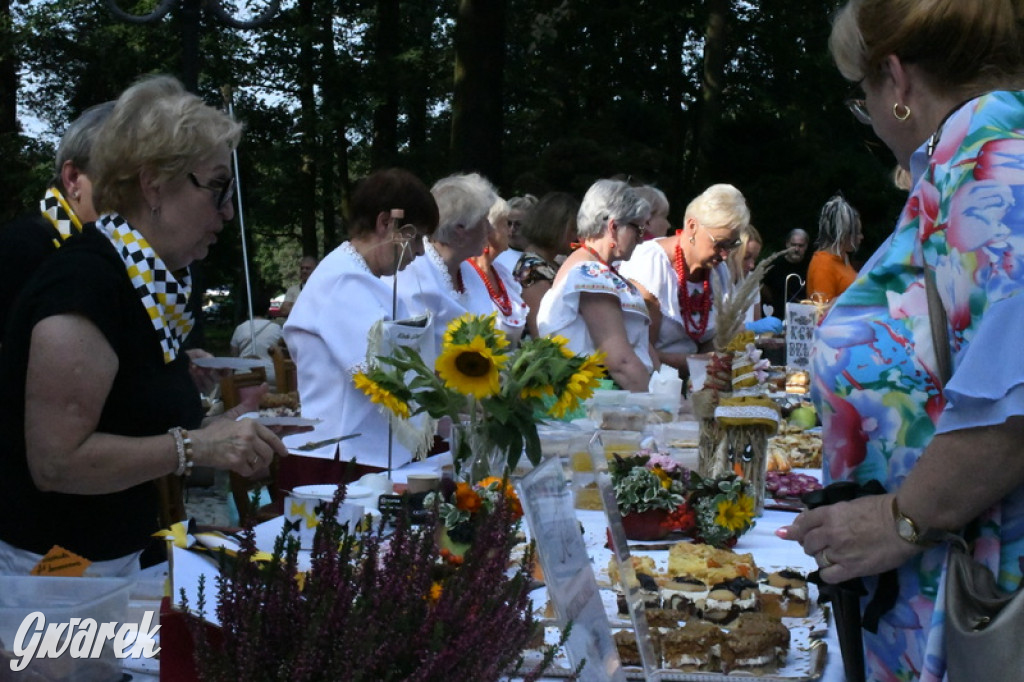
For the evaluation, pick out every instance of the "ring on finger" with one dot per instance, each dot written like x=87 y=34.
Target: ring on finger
x=823 y=559
x=254 y=461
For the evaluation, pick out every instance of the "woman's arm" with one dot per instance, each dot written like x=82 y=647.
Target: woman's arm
x=532 y=295
x=71 y=369
x=959 y=475
x=607 y=327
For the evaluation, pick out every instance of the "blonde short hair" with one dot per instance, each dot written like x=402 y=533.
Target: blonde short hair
x=719 y=207
x=157 y=125
x=962 y=46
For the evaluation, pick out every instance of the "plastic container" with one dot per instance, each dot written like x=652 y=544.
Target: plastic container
x=661 y=407
x=105 y=600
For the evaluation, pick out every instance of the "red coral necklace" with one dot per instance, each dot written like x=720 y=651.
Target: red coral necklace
x=500 y=297
x=697 y=303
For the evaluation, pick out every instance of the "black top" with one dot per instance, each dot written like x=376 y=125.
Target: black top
x=87 y=277
x=24 y=242
x=774 y=285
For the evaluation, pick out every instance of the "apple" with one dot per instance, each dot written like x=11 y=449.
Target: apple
x=804 y=416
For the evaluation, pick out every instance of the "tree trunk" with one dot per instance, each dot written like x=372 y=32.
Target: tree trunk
x=308 y=128
x=710 y=114
x=329 y=141
x=10 y=142
x=385 y=116
x=477 y=106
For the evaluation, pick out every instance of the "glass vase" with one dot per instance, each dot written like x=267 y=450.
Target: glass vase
x=475 y=457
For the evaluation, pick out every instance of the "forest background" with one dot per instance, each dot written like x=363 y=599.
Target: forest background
x=538 y=95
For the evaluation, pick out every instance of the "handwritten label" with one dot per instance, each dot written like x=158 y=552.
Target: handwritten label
x=568 y=573
x=62 y=563
x=801 y=321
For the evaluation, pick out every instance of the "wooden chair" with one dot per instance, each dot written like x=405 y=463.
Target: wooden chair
x=284 y=368
x=232 y=389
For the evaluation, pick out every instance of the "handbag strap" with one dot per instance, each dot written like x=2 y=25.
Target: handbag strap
x=940 y=328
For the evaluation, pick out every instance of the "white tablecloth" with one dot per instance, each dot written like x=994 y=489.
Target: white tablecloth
x=768 y=549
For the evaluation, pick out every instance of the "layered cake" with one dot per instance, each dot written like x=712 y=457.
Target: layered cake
x=730 y=598
x=756 y=643
x=647 y=590
x=784 y=594
x=695 y=647
x=684 y=594
x=709 y=564
x=629 y=652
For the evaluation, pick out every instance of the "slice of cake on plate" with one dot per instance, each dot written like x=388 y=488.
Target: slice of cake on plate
x=730 y=598
x=756 y=643
x=695 y=647
x=684 y=594
x=784 y=594
x=709 y=564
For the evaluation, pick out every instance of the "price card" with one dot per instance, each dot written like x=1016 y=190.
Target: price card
x=801 y=321
x=568 y=573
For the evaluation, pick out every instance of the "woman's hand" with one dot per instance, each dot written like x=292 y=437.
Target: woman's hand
x=204 y=378
x=851 y=539
x=245 y=447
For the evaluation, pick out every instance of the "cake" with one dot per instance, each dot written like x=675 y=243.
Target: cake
x=647 y=590
x=798 y=382
x=684 y=594
x=709 y=564
x=629 y=652
x=663 y=618
x=641 y=564
x=695 y=647
x=728 y=599
x=756 y=643
x=785 y=594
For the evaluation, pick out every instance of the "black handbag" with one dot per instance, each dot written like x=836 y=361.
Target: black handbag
x=983 y=624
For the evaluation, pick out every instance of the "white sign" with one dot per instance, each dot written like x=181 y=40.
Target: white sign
x=801 y=321
x=568 y=573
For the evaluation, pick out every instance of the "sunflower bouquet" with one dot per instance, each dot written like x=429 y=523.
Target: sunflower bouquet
x=494 y=394
x=723 y=506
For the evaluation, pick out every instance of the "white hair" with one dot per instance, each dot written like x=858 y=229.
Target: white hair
x=461 y=200
x=609 y=200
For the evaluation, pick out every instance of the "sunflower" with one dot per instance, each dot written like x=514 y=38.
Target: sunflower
x=735 y=515
x=380 y=395
x=580 y=386
x=471 y=368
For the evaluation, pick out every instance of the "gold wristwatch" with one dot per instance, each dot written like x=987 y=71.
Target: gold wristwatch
x=908 y=529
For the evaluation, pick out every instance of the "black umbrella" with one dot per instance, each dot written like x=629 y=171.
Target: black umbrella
x=845 y=597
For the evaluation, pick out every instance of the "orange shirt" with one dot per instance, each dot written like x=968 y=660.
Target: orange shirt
x=828 y=275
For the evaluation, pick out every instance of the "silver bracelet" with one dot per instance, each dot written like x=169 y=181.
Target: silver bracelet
x=183 y=446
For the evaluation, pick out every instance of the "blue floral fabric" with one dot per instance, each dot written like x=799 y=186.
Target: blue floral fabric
x=874 y=365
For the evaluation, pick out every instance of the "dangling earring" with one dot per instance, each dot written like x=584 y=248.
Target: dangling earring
x=906 y=111
x=693 y=239
x=75 y=195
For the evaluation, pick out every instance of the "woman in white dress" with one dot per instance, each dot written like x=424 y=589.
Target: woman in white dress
x=439 y=283
x=345 y=296
x=680 y=273
x=590 y=303
x=494 y=289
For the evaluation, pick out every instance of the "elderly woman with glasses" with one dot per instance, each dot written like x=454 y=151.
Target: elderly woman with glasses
x=679 y=274
x=917 y=368
x=590 y=302
x=98 y=399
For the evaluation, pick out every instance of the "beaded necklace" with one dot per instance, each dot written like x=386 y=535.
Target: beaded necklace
x=692 y=304
x=500 y=297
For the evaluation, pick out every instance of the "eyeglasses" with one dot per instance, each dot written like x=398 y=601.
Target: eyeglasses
x=722 y=244
x=223 y=189
x=859 y=110
x=858 y=105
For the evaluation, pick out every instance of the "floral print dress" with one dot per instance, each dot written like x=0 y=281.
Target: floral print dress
x=875 y=377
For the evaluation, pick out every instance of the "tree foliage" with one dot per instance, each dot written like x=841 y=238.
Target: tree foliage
x=539 y=94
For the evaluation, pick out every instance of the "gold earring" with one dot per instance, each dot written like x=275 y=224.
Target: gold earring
x=906 y=111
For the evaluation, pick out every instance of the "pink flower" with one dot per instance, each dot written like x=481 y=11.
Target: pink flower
x=1002 y=161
